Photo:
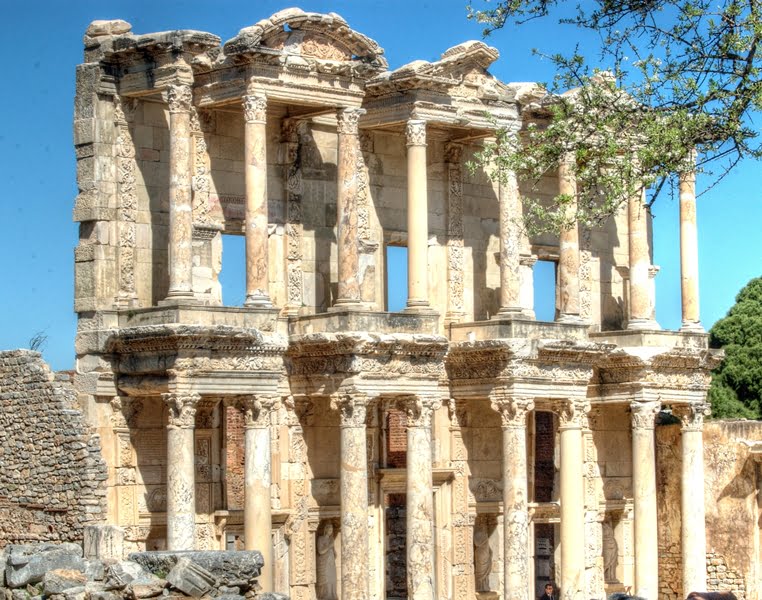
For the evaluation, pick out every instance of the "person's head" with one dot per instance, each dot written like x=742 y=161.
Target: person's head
x=549 y=588
x=328 y=529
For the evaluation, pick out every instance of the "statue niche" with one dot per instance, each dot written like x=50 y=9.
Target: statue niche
x=610 y=551
x=483 y=553
x=325 y=564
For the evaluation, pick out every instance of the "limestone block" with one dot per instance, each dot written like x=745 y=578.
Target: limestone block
x=60 y=580
x=146 y=588
x=230 y=568
x=103 y=541
x=190 y=578
x=155 y=115
x=101 y=28
x=28 y=564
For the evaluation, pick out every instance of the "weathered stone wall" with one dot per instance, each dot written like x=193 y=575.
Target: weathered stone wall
x=732 y=514
x=52 y=475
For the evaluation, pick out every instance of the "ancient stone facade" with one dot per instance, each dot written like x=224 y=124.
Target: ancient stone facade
x=457 y=449
x=52 y=473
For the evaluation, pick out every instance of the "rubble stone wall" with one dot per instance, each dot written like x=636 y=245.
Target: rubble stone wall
x=52 y=474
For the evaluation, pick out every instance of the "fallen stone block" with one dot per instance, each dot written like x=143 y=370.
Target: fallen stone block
x=190 y=578
x=60 y=580
x=28 y=564
x=104 y=542
x=119 y=575
x=146 y=588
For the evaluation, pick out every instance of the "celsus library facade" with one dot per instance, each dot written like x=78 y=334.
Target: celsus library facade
x=460 y=448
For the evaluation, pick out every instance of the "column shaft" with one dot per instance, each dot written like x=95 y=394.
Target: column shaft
x=692 y=505
x=354 y=498
x=180 y=199
x=510 y=242
x=640 y=263
x=181 y=483
x=256 y=215
x=516 y=550
x=417 y=217
x=689 y=251
x=420 y=501
x=644 y=494
x=568 y=251
x=572 y=502
x=348 y=248
x=257 y=507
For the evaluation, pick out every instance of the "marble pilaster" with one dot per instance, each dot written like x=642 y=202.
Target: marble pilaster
x=256 y=210
x=420 y=503
x=354 y=496
x=349 y=157
x=417 y=217
x=689 y=273
x=516 y=549
x=568 y=245
x=644 y=495
x=692 y=500
x=179 y=99
x=572 y=417
x=257 y=509
x=181 y=485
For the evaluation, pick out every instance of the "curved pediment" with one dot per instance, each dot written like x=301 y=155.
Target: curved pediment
x=312 y=36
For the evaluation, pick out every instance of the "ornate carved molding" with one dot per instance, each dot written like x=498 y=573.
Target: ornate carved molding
x=643 y=414
x=513 y=410
x=255 y=108
x=347 y=120
x=692 y=415
x=415 y=132
x=125 y=411
x=572 y=413
x=179 y=98
x=182 y=409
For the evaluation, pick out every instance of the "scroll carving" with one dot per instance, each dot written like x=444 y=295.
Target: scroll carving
x=572 y=414
x=179 y=98
x=124 y=112
x=182 y=409
x=415 y=131
x=292 y=133
x=352 y=409
x=420 y=409
x=692 y=415
x=644 y=414
x=453 y=155
x=513 y=411
x=255 y=108
x=258 y=410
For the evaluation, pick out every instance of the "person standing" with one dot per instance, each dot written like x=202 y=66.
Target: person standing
x=549 y=592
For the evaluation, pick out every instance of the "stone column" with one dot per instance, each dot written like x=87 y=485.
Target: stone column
x=689 y=251
x=572 y=416
x=417 y=217
x=257 y=509
x=516 y=549
x=641 y=311
x=181 y=482
x=256 y=217
x=179 y=98
x=568 y=246
x=510 y=242
x=526 y=294
x=354 y=497
x=348 y=246
x=420 y=501
x=692 y=506
x=644 y=493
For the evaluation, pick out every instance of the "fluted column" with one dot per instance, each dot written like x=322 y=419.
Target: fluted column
x=510 y=242
x=644 y=493
x=179 y=98
x=346 y=208
x=257 y=508
x=420 y=503
x=692 y=505
x=354 y=496
x=181 y=483
x=256 y=215
x=568 y=251
x=689 y=251
x=417 y=217
x=516 y=550
x=641 y=310
x=572 y=416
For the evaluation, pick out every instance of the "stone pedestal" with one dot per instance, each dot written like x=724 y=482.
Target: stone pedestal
x=179 y=98
x=417 y=217
x=346 y=208
x=420 y=503
x=692 y=505
x=257 y=508
x=571 y=419
x=689 y=251
x=181 y=482
x=516 y=550
x=568 y=246
x=641 y=309
x=256 y=215
x=644 y=495
x=510 y=242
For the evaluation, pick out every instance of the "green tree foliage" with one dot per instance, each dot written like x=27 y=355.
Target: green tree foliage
x=670 y=76
x=737 y=383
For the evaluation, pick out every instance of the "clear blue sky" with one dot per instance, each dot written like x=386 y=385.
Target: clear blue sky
x=41 y=42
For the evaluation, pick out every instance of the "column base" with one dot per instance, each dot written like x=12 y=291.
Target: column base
x=418 y=306
x=643 y=324
x=257 y=301
x=178 y=300
x=343 y=304
x=509 y=312
x=692 y=327
x=567 y=318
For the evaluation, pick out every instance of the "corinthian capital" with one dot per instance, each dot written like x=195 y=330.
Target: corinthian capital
x=692 y=415
x=179 y=98
x=419 y=410
x=257 y=410
x=416 y=132
x=352 y=407
x=513 y=411
x=572 y=414
x=182 y=409
x=347 y=120
x=644 y=414
x=255 y=108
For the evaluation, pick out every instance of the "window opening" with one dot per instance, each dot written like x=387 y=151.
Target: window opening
x=233 y=273
x=544 y=275
x=396 y=278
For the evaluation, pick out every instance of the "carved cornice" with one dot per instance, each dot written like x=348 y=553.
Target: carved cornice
x=182 y=409
x=347 y=120
x=513 y=410
x=255 y=108
x=692 y=415
x=415 y=132
x=179 y=98
x=643 y=414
